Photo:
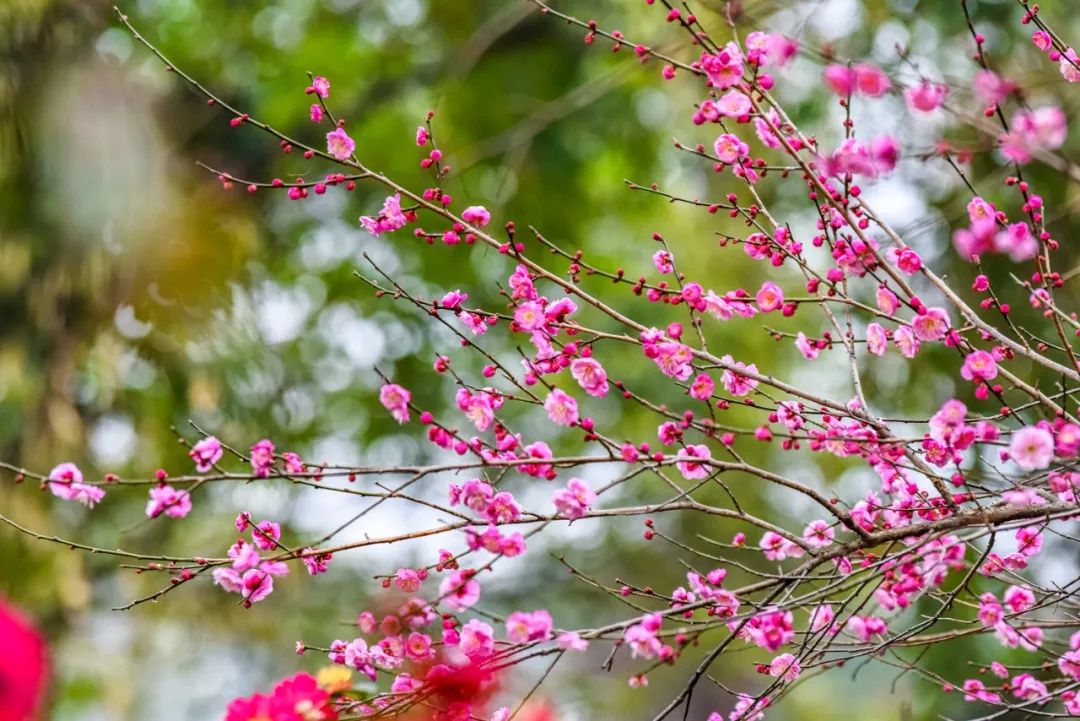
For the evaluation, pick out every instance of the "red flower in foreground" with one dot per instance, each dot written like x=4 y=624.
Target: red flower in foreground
x=253 y=708
x=23 y=667
x=295 y=699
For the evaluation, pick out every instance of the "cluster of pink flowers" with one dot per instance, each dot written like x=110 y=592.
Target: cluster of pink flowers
x=990 y=232
x=495 y=541
x=1032 y=132
x=863 y=78
x=643 y=640
x=498 y=508
x=168 y=500
x=771 y=630
x=262 y=458
x=1067 y=60
x=1025 y=687
x=66 y=481
x=459 y=590
x=856 y=158
x=454 y=669
x=736 y=377
x=524 y=627
x=249 y=574
x=575 y=500
x=479 y=407
x=706 y=589
x=747 y=708
x=777 y=548
x=670 y=356
x=769 y=49
x=481 y=497
x=390 y=218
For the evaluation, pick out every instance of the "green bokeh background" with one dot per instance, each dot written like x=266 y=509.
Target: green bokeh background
x=136 y=295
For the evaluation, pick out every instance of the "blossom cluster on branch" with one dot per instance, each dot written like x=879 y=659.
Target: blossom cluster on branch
x=946 y=536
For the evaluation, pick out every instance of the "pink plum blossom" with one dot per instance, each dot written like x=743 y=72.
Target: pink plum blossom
x=926 y=96
x=770 y=297
x=66 y=482
x=689 y=461
x=785 y=667
x=262 y=458
x=575 y=500
x=702 y=388
x=734 y=381
x=571 y=641
x=662 y=261
x=1032 y=448
x=320 y=86
x=906 y=341
x=522 y=627
x=206 y=453
x=391 y=218
x=979 y=365
x=729 y=148
x=806 y=346
x=1070 y=66
x=459 y=590
x=395 y=399
x=733 y=104
x=819 y=534
x=477 y=640
x=876 y=340
x=561 y=408
x=256 y=585
x=339 y=144
x=931 y=325
x=476 y=215
x=168 y=500
x=725 y=68
x=590 y=375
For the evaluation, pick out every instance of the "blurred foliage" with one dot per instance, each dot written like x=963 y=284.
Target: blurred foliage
x=136 y=295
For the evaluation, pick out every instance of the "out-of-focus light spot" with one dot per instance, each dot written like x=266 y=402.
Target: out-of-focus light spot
x=361 y=340
x=835 y=19
x=115 y=43
x=652 y=107
x=404 y=12
x=128 y=325
x=134 y=371
x=281 y=312
x=112 y=441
